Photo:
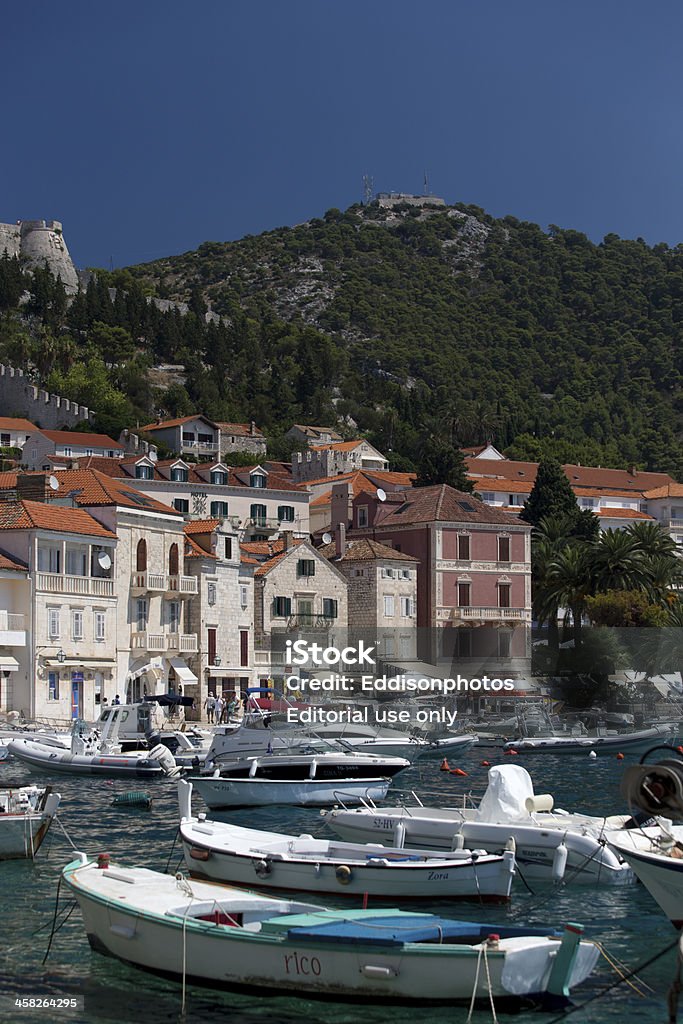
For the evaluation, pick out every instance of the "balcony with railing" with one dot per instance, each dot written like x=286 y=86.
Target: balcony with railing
x=87 y=586
x=311 y=622
x=12 y=629
x=262 y=523
x=142 y=581
x=161 y=643
x=183 y=585
x=492 y=614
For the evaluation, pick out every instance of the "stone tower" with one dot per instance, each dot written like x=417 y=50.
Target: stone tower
x=37 y=241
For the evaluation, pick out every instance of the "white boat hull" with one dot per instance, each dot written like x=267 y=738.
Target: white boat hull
x=661 y=875
x=220 y=792
x=22 y=832
x=589 y=861
x=232 y=855
x=634 y=742
x=150 y=920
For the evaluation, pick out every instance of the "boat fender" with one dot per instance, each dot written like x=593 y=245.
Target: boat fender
x=399 y=837
x=511 y=845
x=559 y=862
x=458 y=841
x=375 y=971
x=344 y=874
x=263 y=867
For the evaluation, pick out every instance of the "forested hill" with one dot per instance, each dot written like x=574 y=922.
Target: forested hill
x=474 y=327
x=398 y=324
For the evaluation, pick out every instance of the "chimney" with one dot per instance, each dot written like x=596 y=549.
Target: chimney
x=252 y=428
x=340 y=540
x=288 y=538
x=339 y=504
x=33 y=486
x=633 y=471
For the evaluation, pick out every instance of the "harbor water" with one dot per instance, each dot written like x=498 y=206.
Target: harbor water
x=624 y=919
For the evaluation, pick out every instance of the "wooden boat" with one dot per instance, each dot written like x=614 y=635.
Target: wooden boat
x=549 y=845
x=203 y=933
x=655 y=854
x=227 y=853
x=26 y=813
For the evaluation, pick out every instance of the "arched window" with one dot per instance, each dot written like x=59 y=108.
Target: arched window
x=141 y=556
x=173 y=560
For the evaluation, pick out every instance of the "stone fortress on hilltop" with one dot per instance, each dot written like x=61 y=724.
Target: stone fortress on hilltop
x=38 y=242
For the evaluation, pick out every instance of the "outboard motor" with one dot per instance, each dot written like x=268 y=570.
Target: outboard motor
x=166 y=760
x=655 y=788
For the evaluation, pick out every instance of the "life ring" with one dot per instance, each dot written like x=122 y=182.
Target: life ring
x=263 y=867
x=344 y=874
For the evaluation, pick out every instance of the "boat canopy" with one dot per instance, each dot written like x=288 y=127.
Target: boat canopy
x=401 y=928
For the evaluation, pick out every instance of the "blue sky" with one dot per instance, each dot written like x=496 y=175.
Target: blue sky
x=149 y=127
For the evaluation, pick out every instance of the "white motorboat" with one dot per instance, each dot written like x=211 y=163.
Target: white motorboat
x=94 y=753
x=600 y=741
x=203 y=933
x=260 y=788
x=549 y=845
x=26 y=813
x=258 y=734
x=221 y=852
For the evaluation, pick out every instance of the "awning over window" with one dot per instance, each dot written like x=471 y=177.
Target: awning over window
x=80 y=662
x=184 y=674
x=152 y=669
x=8 y=664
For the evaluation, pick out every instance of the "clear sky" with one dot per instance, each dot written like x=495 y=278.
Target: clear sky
x=148 y=127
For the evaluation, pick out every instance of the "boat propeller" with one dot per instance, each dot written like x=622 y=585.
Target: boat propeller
x=655 y=788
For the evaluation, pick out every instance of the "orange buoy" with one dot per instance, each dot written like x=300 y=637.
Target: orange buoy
x=679 y=750
x=620 y=757
x=445 y=767
x=512 y=753
x=486 y=764
x=457 y=771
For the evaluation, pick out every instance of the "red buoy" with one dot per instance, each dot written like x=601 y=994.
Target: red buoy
x=620 y=757
x=445 y=767
x=486 y=764
x=457 y=771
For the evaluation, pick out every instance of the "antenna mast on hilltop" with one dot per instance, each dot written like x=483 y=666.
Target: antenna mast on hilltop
x=426 y=191
x=368 y=189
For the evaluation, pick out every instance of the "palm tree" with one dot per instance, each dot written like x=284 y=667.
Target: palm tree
x=617 y=562
x=567 y=584
x=652 y=539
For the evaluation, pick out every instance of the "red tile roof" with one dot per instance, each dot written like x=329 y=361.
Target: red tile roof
x=12 y=423
x=237 y=477
x=8 y=480
x=337 y=446
x=441 y=503
x=317 y=430
x=670 y=490
x=195 y=550
x=621 y=513
x=80 y=438
x=29 y=515
x=364 y=549
x=177 y=422
x=241 y=429
x=95 y=488
x=11 y=563
x=487 y=471
x=201 y=525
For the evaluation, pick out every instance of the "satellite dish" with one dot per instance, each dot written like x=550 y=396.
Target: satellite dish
x=53 y=482
x=381 y=494
x=327 y=538
x=104 y=560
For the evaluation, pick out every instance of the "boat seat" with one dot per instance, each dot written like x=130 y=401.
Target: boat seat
x=309 y=845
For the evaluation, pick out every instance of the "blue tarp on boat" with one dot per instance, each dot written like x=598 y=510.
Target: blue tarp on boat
x=394 y=931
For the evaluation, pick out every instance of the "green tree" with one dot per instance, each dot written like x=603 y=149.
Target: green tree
x=551 y=495
x=442 y=463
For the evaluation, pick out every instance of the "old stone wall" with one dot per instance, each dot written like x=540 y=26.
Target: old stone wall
x=18 y=397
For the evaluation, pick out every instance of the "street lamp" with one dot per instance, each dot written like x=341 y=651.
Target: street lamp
x=217 y=660
x=61 y=656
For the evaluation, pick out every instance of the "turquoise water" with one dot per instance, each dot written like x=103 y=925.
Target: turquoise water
x=624 y=919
